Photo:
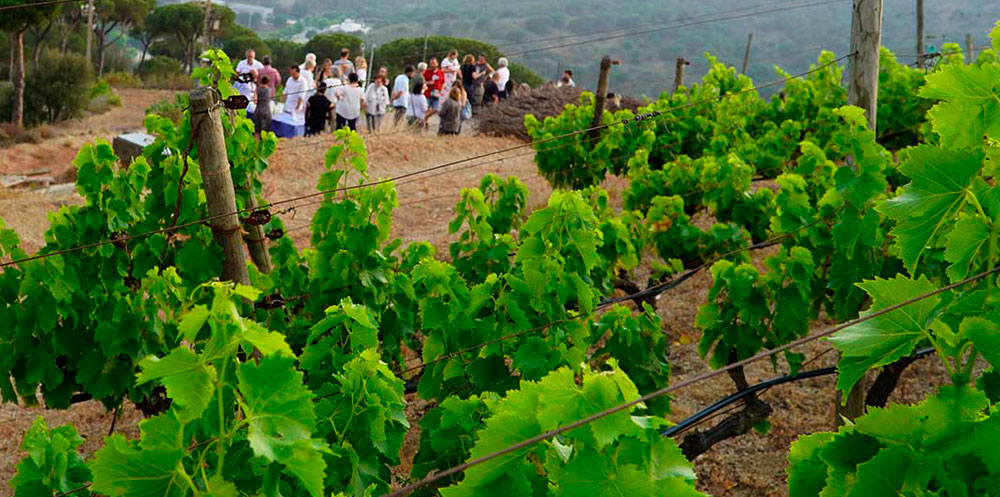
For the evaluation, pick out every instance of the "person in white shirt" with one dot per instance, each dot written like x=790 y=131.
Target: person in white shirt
x=504 y=73
x=450 y=67
x=309 y=57
x=401 y=93
x=377 y=101
x=249 y=64
x=332 y=82
x=350 y=99
x=295 y=95
x=310 y=78
x=248 y=89
x=416 y=109
x=566 y=80
x=361 y=67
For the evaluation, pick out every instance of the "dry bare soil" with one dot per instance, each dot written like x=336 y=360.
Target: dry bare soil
x=752 y=465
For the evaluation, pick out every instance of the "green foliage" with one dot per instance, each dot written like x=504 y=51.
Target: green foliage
x=361 y=417
x=621 y=454
x=491 y=214
x=57 y=88
x=225 y=407
x=236 y=46
x=161 y=71
x=52 y=464
x=946 y=442
x=748 y=311
x=947 y=213
x=283 y=53
x=327 y=46
x=638 y=345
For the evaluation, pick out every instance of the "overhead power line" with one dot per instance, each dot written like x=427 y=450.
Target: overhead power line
x=36 y=4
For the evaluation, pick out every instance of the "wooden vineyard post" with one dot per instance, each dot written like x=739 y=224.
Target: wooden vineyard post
x=746 y=54
x=256 y=241
x=221 y=198
x=679 y=73
x=866 y=39
x=969 y=49
x=601 y=97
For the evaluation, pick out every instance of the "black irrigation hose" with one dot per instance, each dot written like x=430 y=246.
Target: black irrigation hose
x=736 y=397
x=694 y=419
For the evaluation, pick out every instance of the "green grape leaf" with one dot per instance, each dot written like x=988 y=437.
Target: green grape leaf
x=589 y=473
x=884 y=474
x=985 y=335
x=190 y=383
x=886 y=338
x=940 y=179
x=120 y=470
x=267 y=342
x=969 y=107
x=279 y=410
x=966 y=243
x=806 y=471
x=192 y=322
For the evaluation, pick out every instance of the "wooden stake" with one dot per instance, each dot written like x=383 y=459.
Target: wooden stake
x=256 y=241
x=218 y=183
x=969 y=49
x=602 y=95
x=866 y=39
x=679 y=73
x=746 y=54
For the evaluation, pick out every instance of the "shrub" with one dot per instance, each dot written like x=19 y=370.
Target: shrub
x=164 y=72
x=102 y=97
x=57 y=88
x=121 y=79
x=172 y=109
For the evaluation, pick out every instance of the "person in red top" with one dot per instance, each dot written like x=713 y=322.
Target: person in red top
x=270 y=72
x=434 y=79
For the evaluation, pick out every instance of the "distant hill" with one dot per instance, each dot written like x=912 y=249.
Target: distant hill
x=523 y=29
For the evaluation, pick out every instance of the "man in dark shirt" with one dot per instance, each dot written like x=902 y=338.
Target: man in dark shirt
x=491 y=90
x=319 y=110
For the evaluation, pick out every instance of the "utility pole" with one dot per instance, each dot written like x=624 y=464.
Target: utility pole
x=969 y=49
x=90 y=27
x=866 y=40
x=218 y=183
x=679 y=73
x=920 y=31
x=602 y=95
x=207 y=26
x=424 y=57
x=371 y=66
x=746 y=54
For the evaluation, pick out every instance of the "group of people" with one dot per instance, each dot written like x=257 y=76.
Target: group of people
x=448 y=89
x=335 y=93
